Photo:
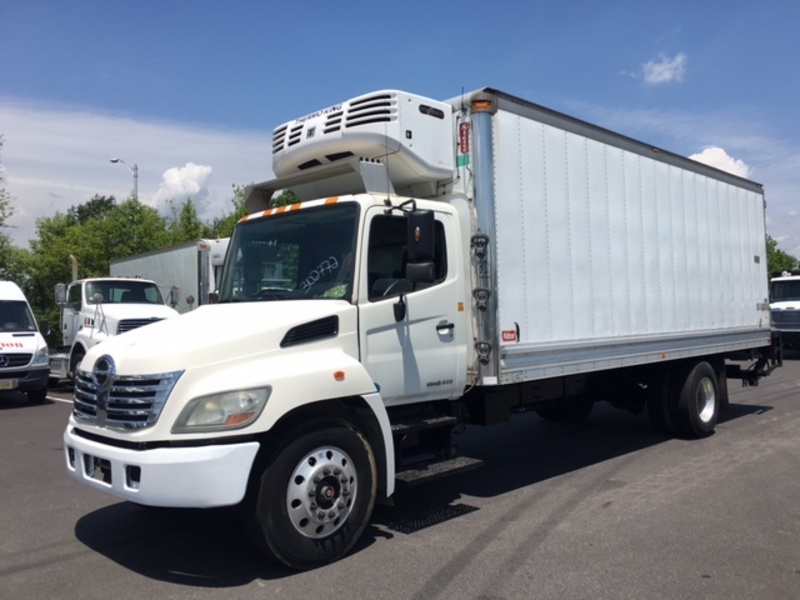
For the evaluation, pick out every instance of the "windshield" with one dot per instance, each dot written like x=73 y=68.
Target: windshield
x=781 y=291
x=16 y=316
x=298 y=254
x=123 y=292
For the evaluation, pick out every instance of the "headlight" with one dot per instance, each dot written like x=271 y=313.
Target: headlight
x=41 y=357
x=222 y=412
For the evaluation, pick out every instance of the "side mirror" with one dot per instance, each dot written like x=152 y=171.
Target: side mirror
x=61 y=295
x=44 y=328
x=421 y=236
x=421 y=245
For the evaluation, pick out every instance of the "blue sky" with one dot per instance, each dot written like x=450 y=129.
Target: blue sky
x=190 y=90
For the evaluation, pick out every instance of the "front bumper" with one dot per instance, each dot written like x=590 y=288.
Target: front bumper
x=25 y=381
x=194 y=477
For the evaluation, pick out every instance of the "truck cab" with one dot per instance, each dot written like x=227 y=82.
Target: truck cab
x=23 y=350
x=784 y=304
x=93 y=310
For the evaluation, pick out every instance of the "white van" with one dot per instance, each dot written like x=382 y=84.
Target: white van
x=24 y=364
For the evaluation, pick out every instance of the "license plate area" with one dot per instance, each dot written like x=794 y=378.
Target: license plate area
x=96 y=468
x=9 y=384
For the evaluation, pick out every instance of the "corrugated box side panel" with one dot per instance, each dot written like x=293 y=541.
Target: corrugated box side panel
x=597 y=243
x=177 y=266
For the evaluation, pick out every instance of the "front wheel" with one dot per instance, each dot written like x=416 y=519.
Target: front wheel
x=316 y=496
x=75 y=361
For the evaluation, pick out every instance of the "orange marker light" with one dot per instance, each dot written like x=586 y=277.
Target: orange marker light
x=234 y=420
x=338 y=375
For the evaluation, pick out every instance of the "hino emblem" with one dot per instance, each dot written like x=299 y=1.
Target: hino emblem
x=104 y=373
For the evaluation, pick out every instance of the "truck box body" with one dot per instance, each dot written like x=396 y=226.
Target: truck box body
x=611 y=252
x=188 y=271
x=449 y=264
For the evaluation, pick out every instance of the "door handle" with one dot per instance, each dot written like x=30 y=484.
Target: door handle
x=443 y=328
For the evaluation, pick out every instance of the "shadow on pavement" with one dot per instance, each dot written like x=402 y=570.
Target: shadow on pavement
x=208 y=548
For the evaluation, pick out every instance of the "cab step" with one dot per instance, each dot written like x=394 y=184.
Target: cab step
x=416 y=425
x=417 y=474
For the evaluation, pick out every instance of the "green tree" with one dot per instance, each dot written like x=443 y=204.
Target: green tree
x=185 y=225
x=285 y=198
x=96 y=208
x=90 y=236
x=778 y=261
x=222 y=227
x=6 y=210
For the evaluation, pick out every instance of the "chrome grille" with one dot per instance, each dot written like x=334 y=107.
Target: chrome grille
x=786 y=317
x=132 y=401
x=17 y=359
x=128 y=324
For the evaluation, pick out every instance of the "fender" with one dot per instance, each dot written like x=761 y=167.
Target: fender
x=297 y=379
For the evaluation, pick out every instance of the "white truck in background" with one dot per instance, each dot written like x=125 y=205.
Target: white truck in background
x=187 y=274
x=452 y=263
x=784 y=297
x=23 y=350
x=94 y=310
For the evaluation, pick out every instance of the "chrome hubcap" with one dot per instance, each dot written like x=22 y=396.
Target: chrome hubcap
x=321 y=492
x=706 y=400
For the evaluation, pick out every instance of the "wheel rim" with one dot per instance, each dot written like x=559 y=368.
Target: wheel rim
x=321 y=492
x=706 y=400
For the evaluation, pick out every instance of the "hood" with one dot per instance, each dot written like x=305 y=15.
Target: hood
x=22 y=350
x=121 y=312
x=20 y=342
x=785 y=305
x=212 y=333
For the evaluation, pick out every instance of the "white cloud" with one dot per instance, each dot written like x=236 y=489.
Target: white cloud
x=182 y=183
x=665 y=69
x=717 y=157
x=56 y=157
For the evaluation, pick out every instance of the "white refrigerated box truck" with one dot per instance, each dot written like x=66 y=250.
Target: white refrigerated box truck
x=187 y=274
x=452 y=263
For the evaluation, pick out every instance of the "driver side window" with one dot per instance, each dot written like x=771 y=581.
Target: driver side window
x=387 y=258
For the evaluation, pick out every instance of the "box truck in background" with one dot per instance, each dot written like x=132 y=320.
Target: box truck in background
x=187 y=274
x=452 y=263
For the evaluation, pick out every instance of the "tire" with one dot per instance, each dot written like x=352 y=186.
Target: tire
x=315 y=496
x=74 y=360
x=697 y=400
x=565 y=411
x=37 y=396
x=660 y=408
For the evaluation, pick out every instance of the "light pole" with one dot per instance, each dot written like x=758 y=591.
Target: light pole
x=133 y=169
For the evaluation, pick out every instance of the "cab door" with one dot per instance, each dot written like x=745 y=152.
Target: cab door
x=412 y=335
x=71 y=315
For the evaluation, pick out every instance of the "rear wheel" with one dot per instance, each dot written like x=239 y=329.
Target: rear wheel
x=697 y=400
x=659 y=402
x=316 y=496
